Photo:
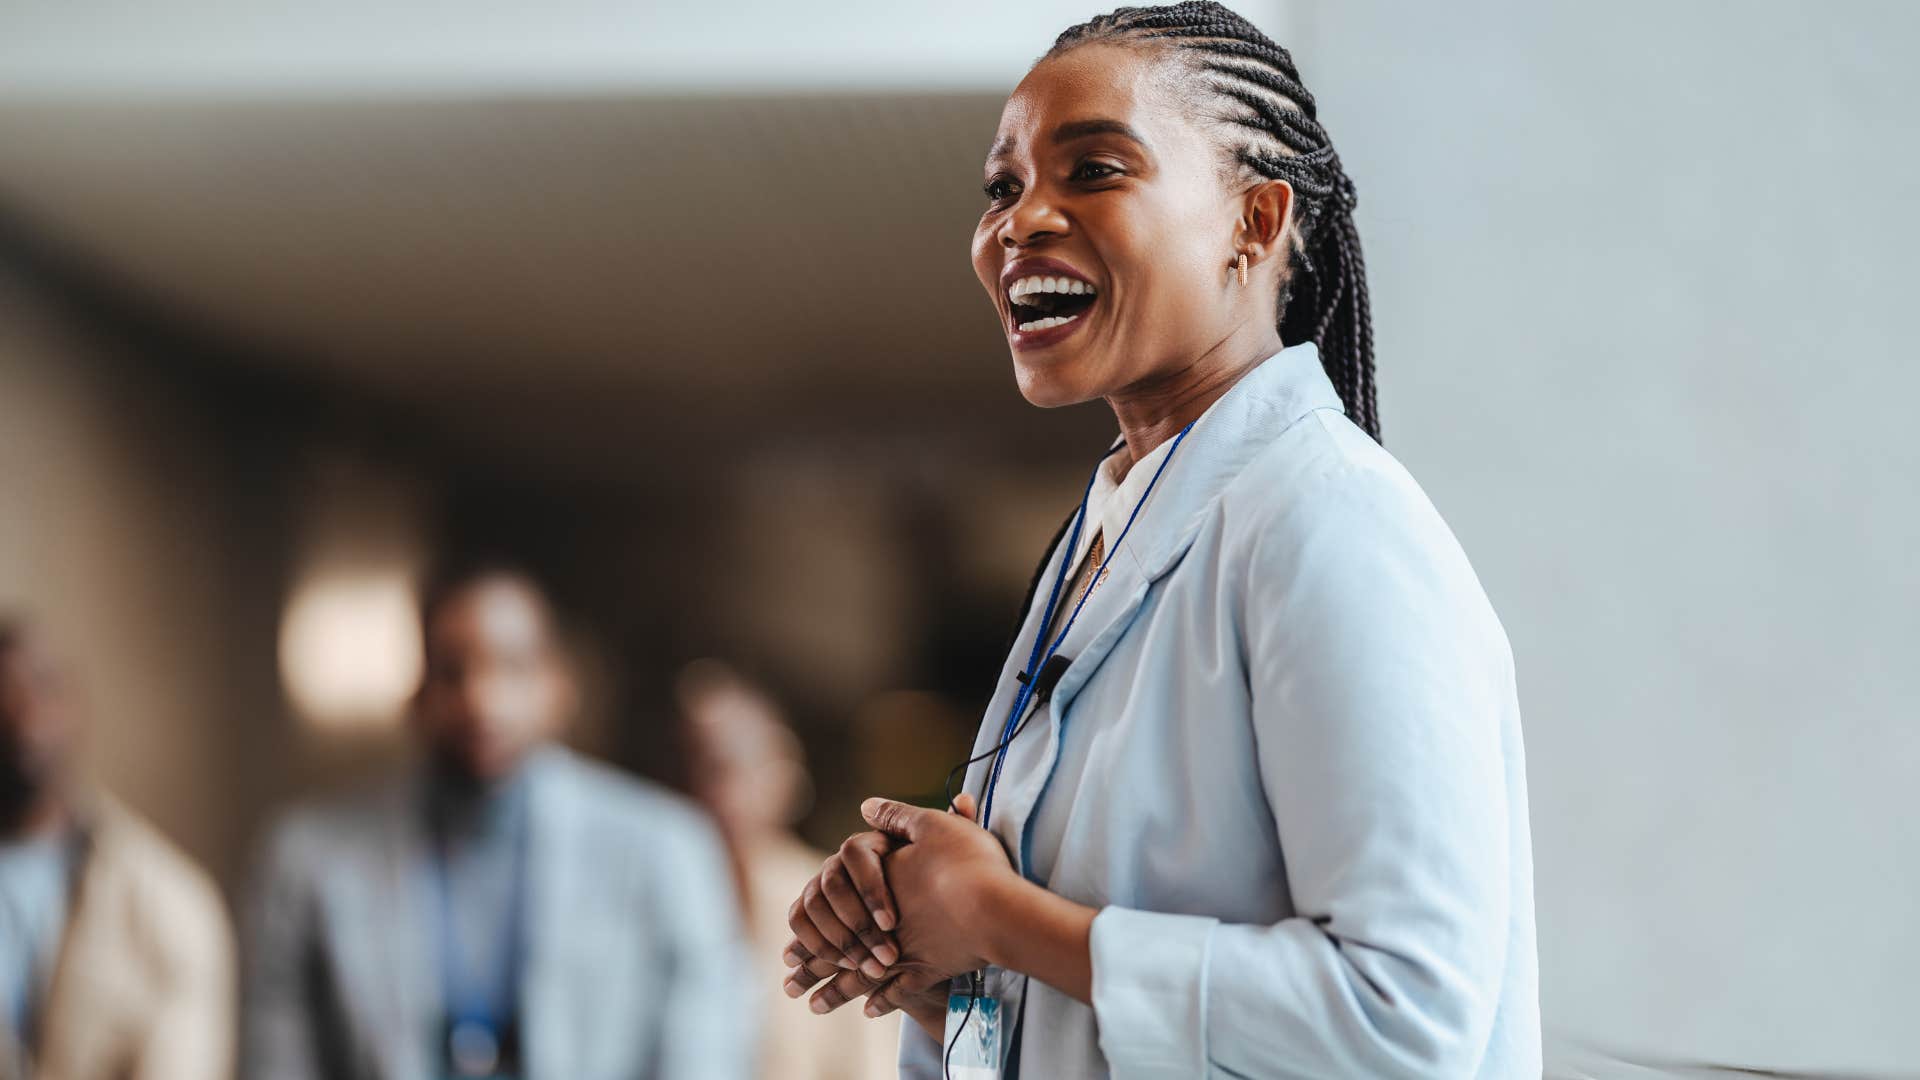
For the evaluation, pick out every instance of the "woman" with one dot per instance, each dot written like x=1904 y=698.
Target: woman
x=1268 y=814
x=747 y=768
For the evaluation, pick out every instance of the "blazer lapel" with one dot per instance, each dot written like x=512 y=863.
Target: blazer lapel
x=1266 y=401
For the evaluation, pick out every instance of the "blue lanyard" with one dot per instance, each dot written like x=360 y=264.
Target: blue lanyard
x=465 y=1002
x=1035 y=659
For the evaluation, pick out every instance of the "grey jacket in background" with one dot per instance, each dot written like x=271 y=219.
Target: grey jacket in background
x=635 y=966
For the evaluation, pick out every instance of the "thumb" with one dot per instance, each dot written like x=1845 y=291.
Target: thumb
x=966 y=807
x=897 y=818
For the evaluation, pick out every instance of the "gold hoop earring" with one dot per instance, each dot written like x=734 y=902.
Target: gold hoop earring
x=1243 y=267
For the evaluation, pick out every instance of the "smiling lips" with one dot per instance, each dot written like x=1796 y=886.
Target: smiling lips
x=1044 y=299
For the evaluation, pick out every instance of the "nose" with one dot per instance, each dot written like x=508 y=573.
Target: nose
x=469 y=699
x=1033 y=219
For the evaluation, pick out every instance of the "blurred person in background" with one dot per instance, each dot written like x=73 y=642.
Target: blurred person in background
x=1252 y=781
x=503 y=909
x=116 y=958
x=747 y=767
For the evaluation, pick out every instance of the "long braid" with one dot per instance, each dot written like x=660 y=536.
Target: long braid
x=1323 y=297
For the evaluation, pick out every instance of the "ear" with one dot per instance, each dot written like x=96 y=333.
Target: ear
x=1266 y=220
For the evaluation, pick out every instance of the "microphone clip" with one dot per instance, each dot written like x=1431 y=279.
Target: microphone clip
x=1049 y=677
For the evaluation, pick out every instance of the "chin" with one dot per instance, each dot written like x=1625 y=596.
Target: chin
x=1051 y=384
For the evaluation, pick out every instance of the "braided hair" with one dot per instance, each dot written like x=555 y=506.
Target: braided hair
x=1276 y=136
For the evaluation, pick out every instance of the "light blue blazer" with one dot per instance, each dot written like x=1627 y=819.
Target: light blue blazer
x=1299 y=801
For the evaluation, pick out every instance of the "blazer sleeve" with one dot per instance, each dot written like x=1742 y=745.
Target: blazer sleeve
x=277 y=1036
x=1380 y=681
x=709 y=1028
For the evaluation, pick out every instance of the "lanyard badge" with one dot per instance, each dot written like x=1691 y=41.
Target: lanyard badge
x=976 y=1032
x=481 y=1031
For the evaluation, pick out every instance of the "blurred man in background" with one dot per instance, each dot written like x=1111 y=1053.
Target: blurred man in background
x=747 y=767
x=116 y=959
x=505 y=909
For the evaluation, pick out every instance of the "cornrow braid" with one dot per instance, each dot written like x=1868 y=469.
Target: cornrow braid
x=1323 y=297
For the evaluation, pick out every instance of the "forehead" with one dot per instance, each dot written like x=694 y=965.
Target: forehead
x=1097 y=81
x=490 y=613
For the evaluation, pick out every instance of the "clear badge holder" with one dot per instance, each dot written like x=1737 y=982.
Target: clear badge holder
x=976 y=1031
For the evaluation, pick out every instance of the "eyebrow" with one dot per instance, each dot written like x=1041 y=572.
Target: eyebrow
x=1080 y=129
x=1075 y=129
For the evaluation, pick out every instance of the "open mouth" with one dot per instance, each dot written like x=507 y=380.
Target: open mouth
x=1041 y=302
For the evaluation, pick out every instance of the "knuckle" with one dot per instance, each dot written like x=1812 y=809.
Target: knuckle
x=837 y=885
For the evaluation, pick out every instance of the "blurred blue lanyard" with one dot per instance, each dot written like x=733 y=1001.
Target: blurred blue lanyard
x=479 y=1013
x=1042 y=651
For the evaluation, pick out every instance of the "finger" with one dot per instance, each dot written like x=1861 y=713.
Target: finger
x=966 y=807
x=803 y=929
x=804 y=977
x=893 y=993
x=795 y=954
x=898 y=819
x=837 y=934
x=860 y=855
x=875 y=952
x=885 y=998
x=839 y=990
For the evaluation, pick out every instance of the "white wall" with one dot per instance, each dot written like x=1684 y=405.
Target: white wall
x=359 y=48
x=1641 y=275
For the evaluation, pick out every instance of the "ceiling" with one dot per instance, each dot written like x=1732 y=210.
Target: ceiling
x=580 y=277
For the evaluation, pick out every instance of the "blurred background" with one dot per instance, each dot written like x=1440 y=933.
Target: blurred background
x=672 y=303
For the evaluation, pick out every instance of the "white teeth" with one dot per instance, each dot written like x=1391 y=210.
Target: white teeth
x=1037 y=284
x=1046 y=324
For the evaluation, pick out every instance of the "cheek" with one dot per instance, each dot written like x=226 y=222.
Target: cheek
x=986 y=260
x=1170 y=271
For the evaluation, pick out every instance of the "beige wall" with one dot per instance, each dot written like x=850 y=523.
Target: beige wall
x=110 y=514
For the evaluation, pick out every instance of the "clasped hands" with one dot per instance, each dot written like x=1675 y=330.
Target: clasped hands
x=898 y=911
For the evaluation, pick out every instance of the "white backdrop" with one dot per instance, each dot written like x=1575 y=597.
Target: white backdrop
x=359 y=48
x=1642 y=277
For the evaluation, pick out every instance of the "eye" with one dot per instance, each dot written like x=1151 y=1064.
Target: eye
x=1095 y=170
x=1000 y=188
